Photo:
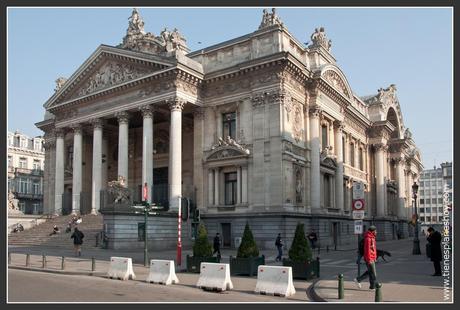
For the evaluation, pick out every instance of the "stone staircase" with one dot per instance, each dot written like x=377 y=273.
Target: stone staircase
x=40 y=234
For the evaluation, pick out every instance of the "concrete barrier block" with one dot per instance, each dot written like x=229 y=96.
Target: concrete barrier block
x=214 y=276
x=275 y=280
x=121 y=268
x=162 y=271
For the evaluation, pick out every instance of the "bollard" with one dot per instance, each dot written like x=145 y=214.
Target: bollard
x=27 y=260
x=93 y=264
x=63 y=263
x=9 y=258
x=43 y=261
x=341 y=289
x=378 y=292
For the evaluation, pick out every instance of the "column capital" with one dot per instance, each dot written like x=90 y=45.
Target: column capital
x=147 y=110
x=176 y=104
x=97 y=123
x=398 y=160
x=59 y=132
x=339 y=125
x=380 y=146
x=77 y=128
x=315 y=111
x=123 y=117
x=49 y=143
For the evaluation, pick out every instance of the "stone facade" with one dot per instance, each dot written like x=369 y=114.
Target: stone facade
x=26 y=160
x=258 y=128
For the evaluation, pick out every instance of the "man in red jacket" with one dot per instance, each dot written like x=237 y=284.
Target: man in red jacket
x=370 y=255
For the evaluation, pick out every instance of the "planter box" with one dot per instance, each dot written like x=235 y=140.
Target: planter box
x=246 y=265
x=304 y=271
x=193 y=263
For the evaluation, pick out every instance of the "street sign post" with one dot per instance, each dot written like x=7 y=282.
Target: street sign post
x=358 y=190
x=358 y=224
x=358 y=215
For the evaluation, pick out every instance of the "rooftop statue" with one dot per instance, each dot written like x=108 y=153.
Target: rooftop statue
x=270 y=19
x=60 y=82
x=136 y=24
x=319 y=38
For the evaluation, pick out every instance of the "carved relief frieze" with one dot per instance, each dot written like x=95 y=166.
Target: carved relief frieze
x=298 y=130
x=336 y=81
x=352 y=124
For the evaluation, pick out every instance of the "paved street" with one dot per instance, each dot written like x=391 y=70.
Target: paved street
x=405 y=277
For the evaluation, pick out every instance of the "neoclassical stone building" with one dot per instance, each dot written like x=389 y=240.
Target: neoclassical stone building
x=260 y=128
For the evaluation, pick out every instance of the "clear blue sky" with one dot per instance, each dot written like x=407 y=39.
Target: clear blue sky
x=375 y=47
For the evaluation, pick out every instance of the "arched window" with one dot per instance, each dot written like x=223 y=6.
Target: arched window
x=352 y=154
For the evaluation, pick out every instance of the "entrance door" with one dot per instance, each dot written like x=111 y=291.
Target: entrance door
x=160 y=186
x=226 y=235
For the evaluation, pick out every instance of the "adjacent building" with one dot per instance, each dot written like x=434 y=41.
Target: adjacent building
x=260 y=128
x=26 y=159
x=434 y=184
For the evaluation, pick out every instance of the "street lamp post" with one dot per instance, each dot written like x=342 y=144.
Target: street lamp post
x=416 y=248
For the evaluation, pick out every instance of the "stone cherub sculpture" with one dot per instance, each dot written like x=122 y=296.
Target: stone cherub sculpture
x=119 y=190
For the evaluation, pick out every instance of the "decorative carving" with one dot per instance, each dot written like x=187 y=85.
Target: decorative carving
x=147 y=110
x=123 y=117
x=259 y=99
x=380 y=147
x=59 y=133
x=119 y=190
x=298 y=184
x=77 y=128
x=97 y=123
x=229 y=142
x=386 y=97
x=173 y=40
x=13 y=204
x=59 y=83
x=336 y=81
x=110 y=74
x=270 y=19
x=315 y=111
x=327 y=152
x=339 y=126
x=319 y=38
x=298 y=122
x=176 y=104
x=407 y=134
x=225 y=153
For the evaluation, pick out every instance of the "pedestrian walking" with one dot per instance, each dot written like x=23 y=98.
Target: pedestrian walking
x=313 y=238
x=434 y=239
x=216 y=245
x=370 y=256
x=279 y=246
x=77 y=237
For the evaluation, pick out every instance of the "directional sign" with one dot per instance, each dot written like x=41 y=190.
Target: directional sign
x=358 y=204
x=358 y=190
x=358 y=227
x=358 y=215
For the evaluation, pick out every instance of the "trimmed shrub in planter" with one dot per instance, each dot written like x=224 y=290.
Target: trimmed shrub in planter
x=247 y=259
x=202 y=251
x=300 y=257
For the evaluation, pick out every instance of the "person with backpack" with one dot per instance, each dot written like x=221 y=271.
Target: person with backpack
x=279 y=246
x=77 y=237
x=370 y=256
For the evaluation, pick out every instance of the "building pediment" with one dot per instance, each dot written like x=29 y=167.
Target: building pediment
x=227 y=148
x=107 y=67
x=336 y=79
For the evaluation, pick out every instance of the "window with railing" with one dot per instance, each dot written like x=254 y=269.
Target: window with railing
x=36 y=188
x=36 y=165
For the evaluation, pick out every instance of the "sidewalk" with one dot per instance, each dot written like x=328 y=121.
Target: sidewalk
x=404 y=278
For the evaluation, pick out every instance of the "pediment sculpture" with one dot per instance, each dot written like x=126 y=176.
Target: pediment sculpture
x=59 y=83
x=110 y=74
x=336 y=81
x=13 y=204
x=228 y=148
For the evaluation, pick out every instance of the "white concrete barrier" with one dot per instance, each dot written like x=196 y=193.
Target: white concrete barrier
x=162 y=271
x=276 y=280
x=215 y=276
x=121 y=268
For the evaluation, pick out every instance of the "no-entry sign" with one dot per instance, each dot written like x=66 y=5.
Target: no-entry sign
x=358 y=204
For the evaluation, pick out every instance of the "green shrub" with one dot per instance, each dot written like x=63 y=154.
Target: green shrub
x=300 y=249
x=248 y=246
x=202 y=246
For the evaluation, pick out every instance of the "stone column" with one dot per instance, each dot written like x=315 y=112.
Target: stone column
x=216 y=186
x=331 y=136
x=210 y=187
x=401 y=190
x=380 y=180
x=175 y=153
x=315 y=158
x=59 y=177
x=147 y=149
x=339 y=171
x=123 y=134
x=97 y=166
x=77 y=168
x=244 y=184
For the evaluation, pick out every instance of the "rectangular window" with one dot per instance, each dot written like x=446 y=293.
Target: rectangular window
x=36 y=164
x=36 y=188
x=323 y=136
x=229 y=124
x=422 y=201
x=422 y=192
x=37 y=145
x=361 y=161
x=23 y=162
x=22 y=185
x=23 y=142
x=352 y=154
x=10 y=161
x=422 y=210
x=230 y=188
x=427 y=210
x=433 y=201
